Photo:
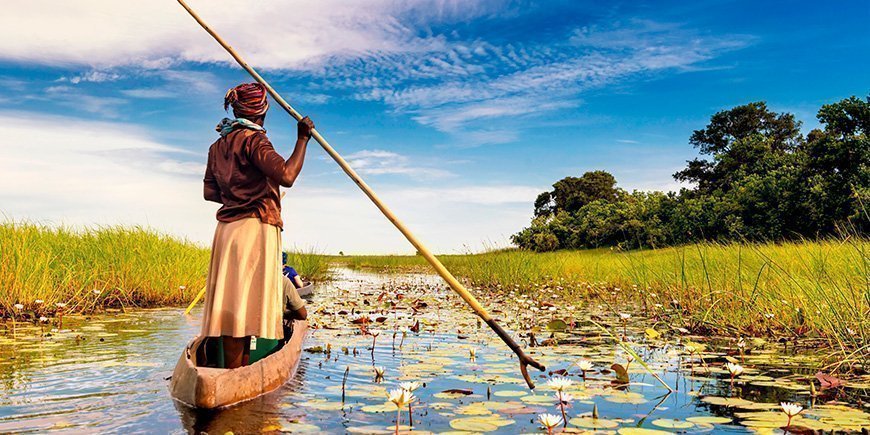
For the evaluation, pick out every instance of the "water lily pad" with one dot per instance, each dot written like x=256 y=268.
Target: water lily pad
x=479 y=424
x=557 y=325
x=709 y=420
x=384 y=407
x=510 y=393
x=538 y=399
x=642 y=431
x=626 y=397
x=672 y=424
x=726 y=401
x=473 y=409
x=593 y=423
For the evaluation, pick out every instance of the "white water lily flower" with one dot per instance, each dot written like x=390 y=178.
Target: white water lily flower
x=182 y=287
x=585 y=365
x=401 y=398
x=409 y=386
x=549 y=420
x=567 y=398
x=18 y=306
x=791 y=409
x=559 y=383
x=624 y=316
x=734 y=369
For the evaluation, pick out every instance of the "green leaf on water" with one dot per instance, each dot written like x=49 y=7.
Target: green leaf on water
x=709 y=420
x=593 y=423
x=557 y=325
x=641 y=431
x=669 y=423
x=726 y=401
x=480 y=424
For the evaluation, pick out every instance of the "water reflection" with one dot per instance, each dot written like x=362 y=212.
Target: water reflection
x=108 y=373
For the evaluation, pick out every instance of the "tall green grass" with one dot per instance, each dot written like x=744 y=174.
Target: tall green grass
x=807 y=288
x=127 y=266
x=312 y=265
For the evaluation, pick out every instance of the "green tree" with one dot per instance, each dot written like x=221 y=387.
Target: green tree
x=748 y=139
x=758 y=178
x=837 y=165
x=571 y=193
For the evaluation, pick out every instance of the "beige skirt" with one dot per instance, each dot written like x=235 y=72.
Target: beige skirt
x=244 y=288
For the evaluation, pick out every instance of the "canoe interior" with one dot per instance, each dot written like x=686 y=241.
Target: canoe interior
x=306 y=291
x=209 y=388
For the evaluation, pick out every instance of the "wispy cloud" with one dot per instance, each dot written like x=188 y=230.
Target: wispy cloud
x=468 y=89
x=95 y=76
x=79 y=100
x=380 y=162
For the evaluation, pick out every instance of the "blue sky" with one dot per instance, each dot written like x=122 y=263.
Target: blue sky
x=457 y=112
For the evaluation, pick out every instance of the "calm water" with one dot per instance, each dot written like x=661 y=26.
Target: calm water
x=108 y=373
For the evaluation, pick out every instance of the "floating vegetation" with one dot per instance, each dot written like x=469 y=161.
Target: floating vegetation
x=806 y=289
x=430 y=384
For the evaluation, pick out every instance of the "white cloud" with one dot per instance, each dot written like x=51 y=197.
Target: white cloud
x=103 y=173
x=467 y=87
x=380 y=162
x=94 y=76
x=76 y=172
x=292 y=34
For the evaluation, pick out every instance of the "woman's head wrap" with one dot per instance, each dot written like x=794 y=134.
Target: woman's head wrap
x=247 y=99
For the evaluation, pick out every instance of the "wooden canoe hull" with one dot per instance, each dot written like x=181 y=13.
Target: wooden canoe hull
x=208 y=388
x=306 y=291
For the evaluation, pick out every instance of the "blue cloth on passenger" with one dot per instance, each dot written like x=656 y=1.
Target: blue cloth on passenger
x=290 y=272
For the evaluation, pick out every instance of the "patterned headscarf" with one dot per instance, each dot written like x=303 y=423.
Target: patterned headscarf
x=247 y=99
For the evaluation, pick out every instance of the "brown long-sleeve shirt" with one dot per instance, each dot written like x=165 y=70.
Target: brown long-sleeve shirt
x=243 y=174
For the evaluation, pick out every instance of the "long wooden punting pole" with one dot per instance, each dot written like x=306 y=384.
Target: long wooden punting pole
x=525 y=360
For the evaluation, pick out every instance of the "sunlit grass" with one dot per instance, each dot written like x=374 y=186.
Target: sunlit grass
x=129 y=266
x=41 y=266
x=310 y=264
x=805 y=288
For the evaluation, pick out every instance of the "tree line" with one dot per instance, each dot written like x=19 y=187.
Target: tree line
x=758 y=178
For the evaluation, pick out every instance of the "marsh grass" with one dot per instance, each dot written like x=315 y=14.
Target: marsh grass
x=311 y=264
x=796 y=289
x=127 y=266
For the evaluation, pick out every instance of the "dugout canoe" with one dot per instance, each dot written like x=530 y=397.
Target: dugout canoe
x=209 y=388
x=307 y=290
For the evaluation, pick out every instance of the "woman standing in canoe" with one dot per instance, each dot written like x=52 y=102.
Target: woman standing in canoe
x=244 y=295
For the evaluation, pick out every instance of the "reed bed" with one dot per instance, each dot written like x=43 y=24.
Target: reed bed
x=107 y=266
x=112 y=266
x=311 y=264
x=796 y=289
